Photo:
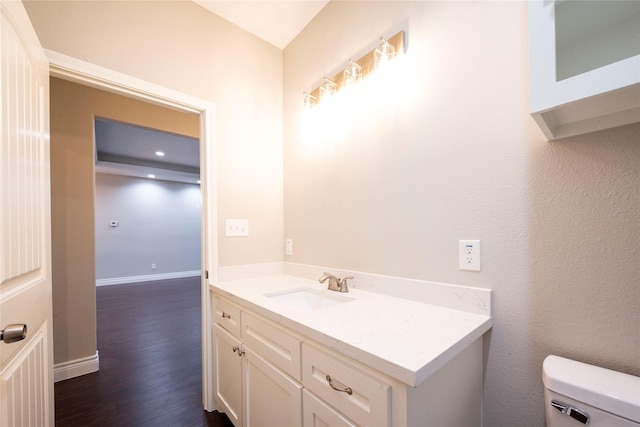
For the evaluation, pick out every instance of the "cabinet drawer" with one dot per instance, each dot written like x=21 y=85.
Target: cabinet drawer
x=275 y=345
x=227 y=315
x=369 y=403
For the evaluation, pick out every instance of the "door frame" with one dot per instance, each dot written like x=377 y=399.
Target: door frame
x=77 y=71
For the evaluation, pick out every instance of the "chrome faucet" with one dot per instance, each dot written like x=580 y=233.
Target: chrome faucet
x=335 y=284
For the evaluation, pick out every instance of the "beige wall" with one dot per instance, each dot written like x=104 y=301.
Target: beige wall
x=73 y=108
x=446 y=150
x=181 y=46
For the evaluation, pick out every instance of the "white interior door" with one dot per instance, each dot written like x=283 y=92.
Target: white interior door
x=26 y=365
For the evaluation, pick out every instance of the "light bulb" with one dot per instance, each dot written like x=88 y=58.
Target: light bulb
x=308 y=100
x=383 y=53
x=352 y=73
x=328 y=88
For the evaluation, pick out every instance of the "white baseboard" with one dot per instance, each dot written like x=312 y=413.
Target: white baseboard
x=76 y=368
x=147 y=278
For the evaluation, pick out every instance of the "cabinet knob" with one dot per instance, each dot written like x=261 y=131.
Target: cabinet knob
x=344 y=390
x=13 y=333
x=239 y=350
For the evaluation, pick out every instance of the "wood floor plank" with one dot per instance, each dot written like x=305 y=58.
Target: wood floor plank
x=150 y=361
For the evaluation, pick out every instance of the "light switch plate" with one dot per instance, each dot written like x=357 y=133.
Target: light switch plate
x=236 y=227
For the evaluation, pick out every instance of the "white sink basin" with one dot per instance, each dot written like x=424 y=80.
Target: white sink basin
x=309 y=299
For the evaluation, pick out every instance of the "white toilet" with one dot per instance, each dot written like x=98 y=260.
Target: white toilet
x=576 y=394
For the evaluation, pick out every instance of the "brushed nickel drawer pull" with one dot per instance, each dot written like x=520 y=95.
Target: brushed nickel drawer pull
x=226 y=315
x=344 y=390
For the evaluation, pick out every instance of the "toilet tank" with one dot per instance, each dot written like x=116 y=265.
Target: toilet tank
x=578 y=394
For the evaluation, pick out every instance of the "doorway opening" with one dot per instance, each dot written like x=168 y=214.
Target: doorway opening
x=147 y=196
x=71 y=69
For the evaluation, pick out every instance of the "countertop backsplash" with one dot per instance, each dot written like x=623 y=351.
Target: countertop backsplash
x=458 y=297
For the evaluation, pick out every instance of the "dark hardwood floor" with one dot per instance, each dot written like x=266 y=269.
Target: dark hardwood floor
x=150 y=361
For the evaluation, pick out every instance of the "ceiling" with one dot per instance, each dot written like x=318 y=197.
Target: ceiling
x=277 y=22
x=126 y=149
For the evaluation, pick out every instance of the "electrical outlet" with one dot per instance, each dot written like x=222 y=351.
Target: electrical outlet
x=153 y=266
x=288 y=247
x=470 y=255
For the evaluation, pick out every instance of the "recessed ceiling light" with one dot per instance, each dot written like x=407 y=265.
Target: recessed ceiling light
x=151 y=176
x=160 y=153
x=198 y=181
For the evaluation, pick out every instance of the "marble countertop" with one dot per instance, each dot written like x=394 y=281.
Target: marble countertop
x=404 y=339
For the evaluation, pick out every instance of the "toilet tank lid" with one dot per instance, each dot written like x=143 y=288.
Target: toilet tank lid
x=608 y=390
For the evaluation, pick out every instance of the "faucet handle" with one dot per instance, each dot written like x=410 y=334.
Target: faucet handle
x=334 y=282
x=343 y=285
x=326 y=276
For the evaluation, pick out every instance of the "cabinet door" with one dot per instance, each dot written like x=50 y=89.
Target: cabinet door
x=316 y=413
x=228 y=369
x=272 y=398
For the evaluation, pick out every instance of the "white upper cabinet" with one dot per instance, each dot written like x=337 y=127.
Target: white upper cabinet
x=584 y=65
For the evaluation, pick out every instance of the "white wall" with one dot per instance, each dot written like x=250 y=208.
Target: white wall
x=387 y=181
x=159 y=223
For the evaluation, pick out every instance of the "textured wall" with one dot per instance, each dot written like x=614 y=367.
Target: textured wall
x=159 y=223
x=389 y=178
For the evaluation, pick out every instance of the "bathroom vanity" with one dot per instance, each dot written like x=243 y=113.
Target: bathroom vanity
x=289 y=352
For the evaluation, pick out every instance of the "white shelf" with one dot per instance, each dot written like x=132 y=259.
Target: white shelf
x=584 y=63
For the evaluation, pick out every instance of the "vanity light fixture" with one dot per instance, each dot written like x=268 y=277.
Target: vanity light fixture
x=328 y=88
x=309 y=100
x=385 y=51
x=383 y=54
x=352 y=73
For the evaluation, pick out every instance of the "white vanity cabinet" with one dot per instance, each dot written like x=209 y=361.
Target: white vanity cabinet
x=584 y=65
x=253 y=363
x=279 y=376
